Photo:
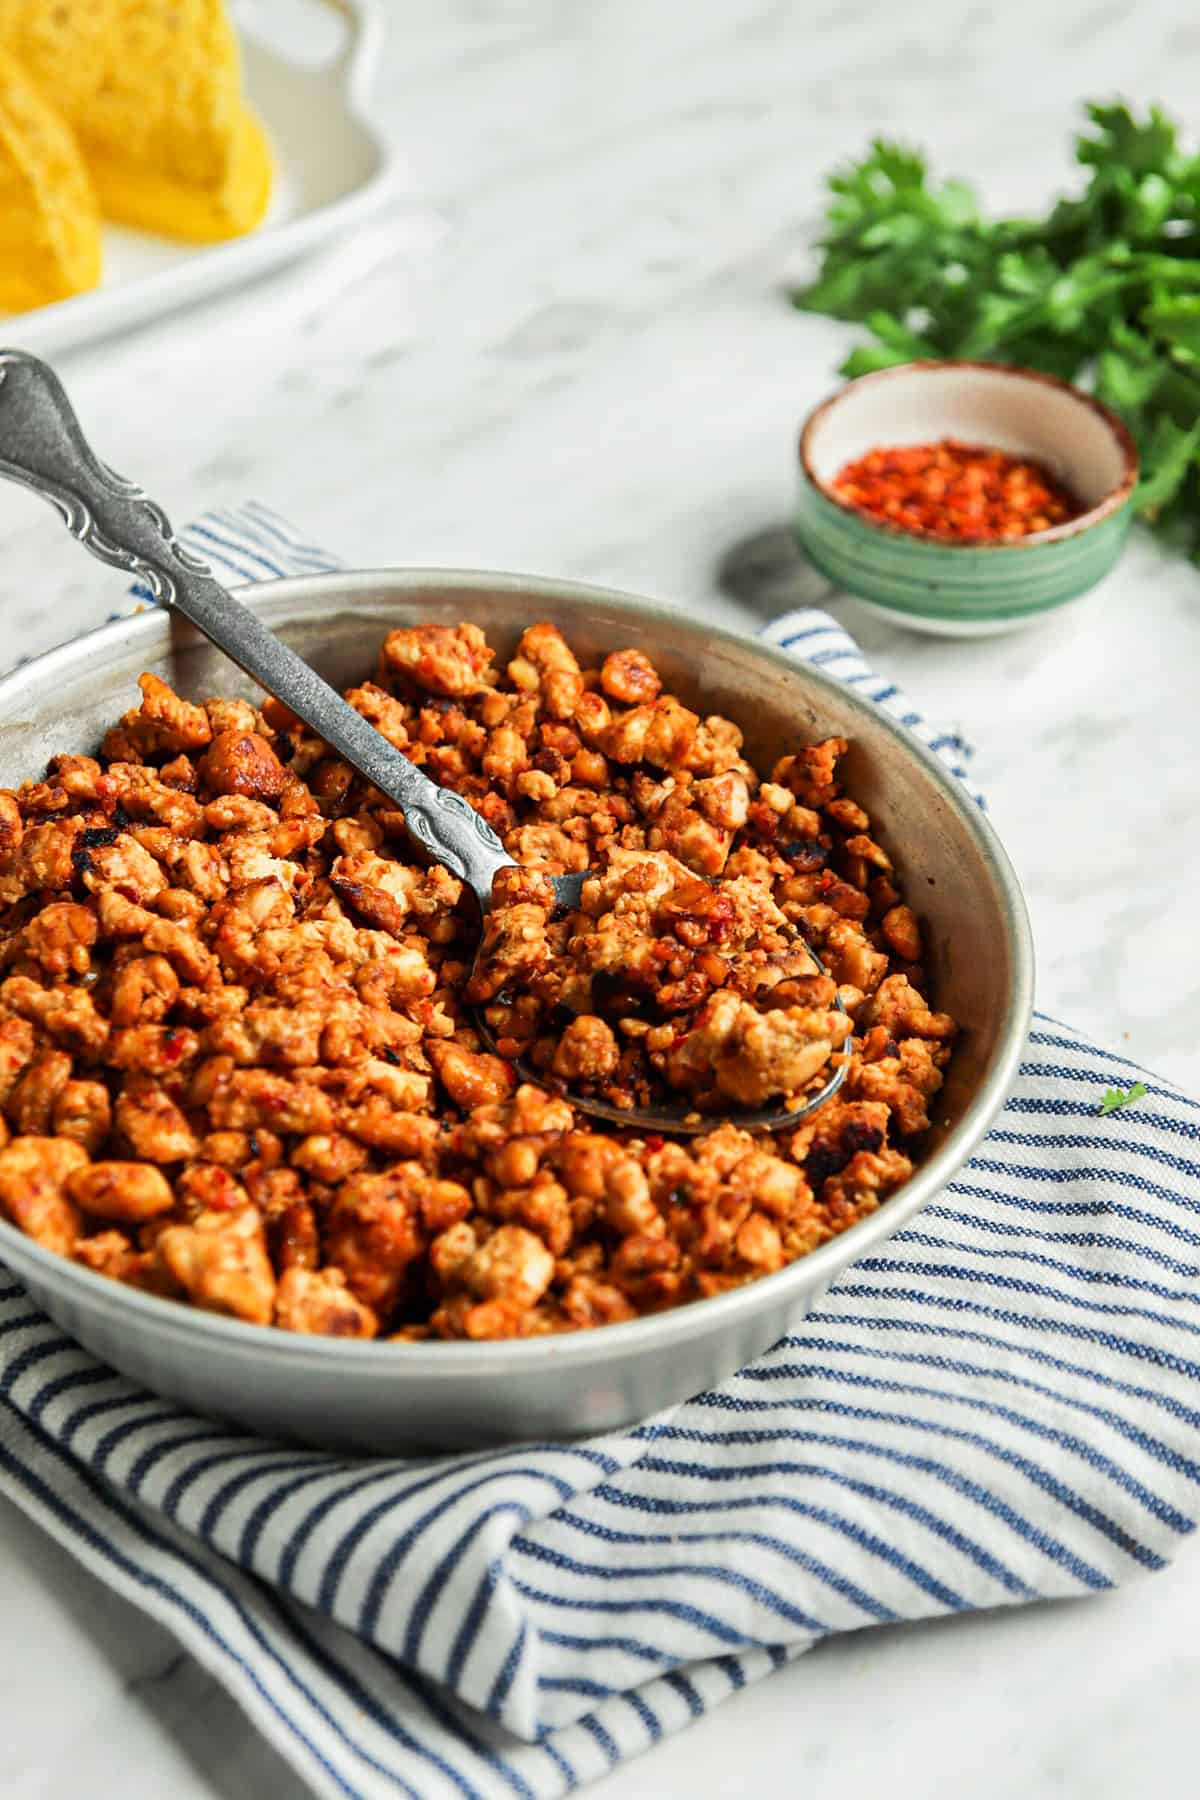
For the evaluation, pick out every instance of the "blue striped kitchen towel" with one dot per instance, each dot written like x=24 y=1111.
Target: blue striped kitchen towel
x=999 y=1406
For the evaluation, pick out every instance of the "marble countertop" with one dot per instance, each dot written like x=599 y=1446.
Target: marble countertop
x=565 y=351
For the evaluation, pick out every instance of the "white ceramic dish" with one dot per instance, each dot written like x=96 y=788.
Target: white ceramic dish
x=331 y=169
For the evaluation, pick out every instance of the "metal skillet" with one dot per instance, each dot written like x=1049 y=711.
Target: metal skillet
x=353 y=1397
x=44 y=449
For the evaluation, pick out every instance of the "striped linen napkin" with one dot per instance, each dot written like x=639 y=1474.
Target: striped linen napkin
x=999 y=1406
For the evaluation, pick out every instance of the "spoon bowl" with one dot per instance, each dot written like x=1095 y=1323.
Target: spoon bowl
x=680 y=1118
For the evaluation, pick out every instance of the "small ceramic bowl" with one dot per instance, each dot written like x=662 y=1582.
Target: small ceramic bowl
x=959 y=589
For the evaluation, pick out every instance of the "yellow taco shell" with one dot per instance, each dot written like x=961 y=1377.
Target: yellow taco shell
x=49 y=218
x=153 y=91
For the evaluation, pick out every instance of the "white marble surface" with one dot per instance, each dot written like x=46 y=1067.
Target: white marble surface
x=577 y=361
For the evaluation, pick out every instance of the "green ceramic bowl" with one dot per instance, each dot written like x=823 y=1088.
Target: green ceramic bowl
x=950 y=588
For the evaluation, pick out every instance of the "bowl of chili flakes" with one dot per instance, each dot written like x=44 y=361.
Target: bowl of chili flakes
x=964 y=498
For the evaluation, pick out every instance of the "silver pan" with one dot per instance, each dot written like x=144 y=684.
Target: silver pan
x=395 y=1397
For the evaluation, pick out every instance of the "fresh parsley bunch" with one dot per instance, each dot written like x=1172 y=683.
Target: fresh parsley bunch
x=1105 y=290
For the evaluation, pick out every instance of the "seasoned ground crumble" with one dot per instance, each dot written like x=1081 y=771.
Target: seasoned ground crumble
x=236 y=1066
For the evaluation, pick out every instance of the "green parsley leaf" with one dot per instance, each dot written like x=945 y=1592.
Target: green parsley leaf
x=1176 y=322
x=1103 y=289
x=1167 y=457
x=1120 y=140
x=1115 y=1098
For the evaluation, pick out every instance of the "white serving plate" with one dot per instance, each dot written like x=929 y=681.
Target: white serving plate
x=331 y=169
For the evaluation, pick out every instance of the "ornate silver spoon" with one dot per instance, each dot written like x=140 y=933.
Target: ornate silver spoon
x=43 y=448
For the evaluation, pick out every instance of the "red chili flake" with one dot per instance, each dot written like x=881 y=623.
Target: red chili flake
x=172 y=1046
x=963 y=492
x=654 y=1144
x=223 y=1195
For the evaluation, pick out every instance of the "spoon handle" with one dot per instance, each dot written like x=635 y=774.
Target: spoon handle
x=43 y=448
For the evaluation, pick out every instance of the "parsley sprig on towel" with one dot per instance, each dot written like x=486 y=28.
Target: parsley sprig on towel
x=1115 y=1098
x=1104 y=290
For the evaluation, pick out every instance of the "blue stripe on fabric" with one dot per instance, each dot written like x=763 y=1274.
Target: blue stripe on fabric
x=29 y=1358
x=281 y=1463
x=375 y=1477
x=27 y=1322
x=691 y=1699
x=577 y=1684
x=951 y=1534
x=66 y=1384
x=120 y=1434
x=1095 y=1459
x=682 y=1610
x=96 y=1409
x=282 y=531
x=472 y=1621
x=148 y=1459
x=1093 y=1277
x=256 y=1522
x=646 y=1714
x=822 y=659
x=563 y=1766
x=634 y=1647
x=1087 y=1174
x=1024 y=1527
x=1049 y=1222
x=242 y=548
x=1101 y=1207
x=1106 y=1138
x=506 y=1673
x=951 y=740
x=1055 y=1041
x=834 y=1579
x=1151 y=1446
x=592 y=1725
x=734 y=1578
x=376 y=1595
x=857 y=1534
x=1033 y=1140
x=296 y=561
x=731 y=1668
x=208 y=537
x=880 y=695
x=1069 y=1328
x=270 y=1504
x=994 y=1281
x=788 y=1503
x=810 y=631
x=434 y=1586
x=1101 y=1078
